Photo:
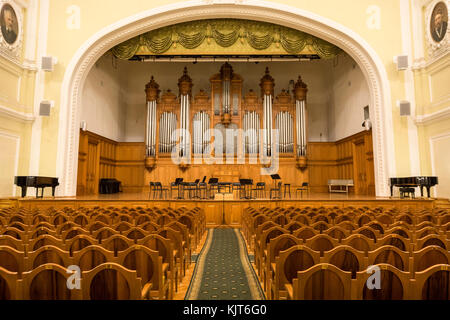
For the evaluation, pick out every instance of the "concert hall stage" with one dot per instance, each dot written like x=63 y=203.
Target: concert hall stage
x=228 y=212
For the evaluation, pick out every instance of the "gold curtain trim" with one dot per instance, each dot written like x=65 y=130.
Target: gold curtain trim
x=225 y=32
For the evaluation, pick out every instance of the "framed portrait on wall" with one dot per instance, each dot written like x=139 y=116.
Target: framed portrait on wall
x=9 y=24
x=10 y=29
x=439 y=22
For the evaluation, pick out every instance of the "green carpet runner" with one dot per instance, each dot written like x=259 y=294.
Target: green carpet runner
x=223 y=270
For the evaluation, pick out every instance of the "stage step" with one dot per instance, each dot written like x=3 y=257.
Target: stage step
x=442 y=203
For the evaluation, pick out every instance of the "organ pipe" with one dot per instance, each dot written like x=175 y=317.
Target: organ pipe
x=201 y=135
x=152 y=92
x=300 y=91
x=185 y=87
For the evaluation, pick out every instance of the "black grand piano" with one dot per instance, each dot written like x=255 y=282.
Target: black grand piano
x=36 y=182
x=412 y=182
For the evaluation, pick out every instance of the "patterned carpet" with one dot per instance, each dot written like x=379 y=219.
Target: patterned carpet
x=223 y=270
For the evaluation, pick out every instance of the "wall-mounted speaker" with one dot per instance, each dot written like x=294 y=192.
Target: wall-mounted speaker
x=47 y=63
x=45 y=107
x=402 y=62
x=405 y=108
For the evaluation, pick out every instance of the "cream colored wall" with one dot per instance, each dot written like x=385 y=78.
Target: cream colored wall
x=440 y=145
x=349 y=95
x=103 y=106
x=17 y=99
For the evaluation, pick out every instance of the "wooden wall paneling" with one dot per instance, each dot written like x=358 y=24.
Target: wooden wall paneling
x=130 y=169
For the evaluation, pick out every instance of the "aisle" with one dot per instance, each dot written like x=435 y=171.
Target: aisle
x=223 y=270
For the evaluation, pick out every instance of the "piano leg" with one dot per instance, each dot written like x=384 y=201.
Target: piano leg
x=421 y=191
x=392 y=191
x=37 y=192
x=428 y=191
x=53 y=191
x=24 y=191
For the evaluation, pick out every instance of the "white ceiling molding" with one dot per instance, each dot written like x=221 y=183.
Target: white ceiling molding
x=427 y=119
x=16 y=115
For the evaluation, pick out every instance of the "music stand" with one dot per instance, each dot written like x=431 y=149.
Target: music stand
x=178 y=182
x=275 y=177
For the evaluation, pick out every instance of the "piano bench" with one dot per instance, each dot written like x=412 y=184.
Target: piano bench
x=409 y=192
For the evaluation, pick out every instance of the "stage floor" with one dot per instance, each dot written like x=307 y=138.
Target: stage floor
x=146 y=197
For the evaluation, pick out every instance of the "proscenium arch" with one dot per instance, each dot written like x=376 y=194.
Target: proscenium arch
x=101 y=42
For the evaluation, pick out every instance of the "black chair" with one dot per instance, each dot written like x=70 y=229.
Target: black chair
x=407 y=192
x=260 y=190
x=160 y=190
x=152 y=190
x=192 y=188
x=246 y=188
x=203 y=189
x=213 y=187
x=304 y=187
x=287 y=189
x=275 y=193
x=175 y=186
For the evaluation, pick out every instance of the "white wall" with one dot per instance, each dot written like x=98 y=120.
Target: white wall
x=103 y=107
x=135 y=75
x=349 y=94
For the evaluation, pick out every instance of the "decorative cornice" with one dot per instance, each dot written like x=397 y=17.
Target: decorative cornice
x=421 y=64
x=284 y=15
x=427 y=119
x=16 y=115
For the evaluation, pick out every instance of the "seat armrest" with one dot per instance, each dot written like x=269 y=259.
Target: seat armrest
x=145 y=293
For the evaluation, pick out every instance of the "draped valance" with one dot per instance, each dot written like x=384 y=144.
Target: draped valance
x=228 y=36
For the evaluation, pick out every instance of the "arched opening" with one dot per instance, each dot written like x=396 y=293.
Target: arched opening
x=100 y=43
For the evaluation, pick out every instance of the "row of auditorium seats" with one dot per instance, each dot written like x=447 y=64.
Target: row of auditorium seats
x=121 y=253
x=324 y=253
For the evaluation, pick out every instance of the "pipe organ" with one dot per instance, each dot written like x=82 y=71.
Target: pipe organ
x=226 y=108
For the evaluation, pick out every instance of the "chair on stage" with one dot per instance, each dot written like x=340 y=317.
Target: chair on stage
x=152 y=190
x=275 y=193
x=159 y=189
x=175 y=186
x=203 y=189
x=304 y=187
x=213 y=187
x=191 y=188
x=260 y=190
x=246 y=189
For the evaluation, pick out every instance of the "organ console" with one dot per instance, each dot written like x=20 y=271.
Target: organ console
x=36 y=182
x=413 y=182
